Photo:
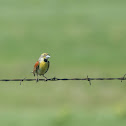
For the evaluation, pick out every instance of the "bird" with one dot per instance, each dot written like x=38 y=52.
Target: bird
x=41 y=66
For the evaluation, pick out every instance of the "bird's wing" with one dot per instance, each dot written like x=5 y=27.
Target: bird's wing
x=36 y=67
x=48 y=66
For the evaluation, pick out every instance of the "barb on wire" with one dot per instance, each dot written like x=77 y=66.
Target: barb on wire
x=123 y=78
x=22 y=80
x=88 y=79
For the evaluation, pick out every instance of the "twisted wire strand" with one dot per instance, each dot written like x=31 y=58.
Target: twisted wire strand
x=66 y=79
x=57 y=79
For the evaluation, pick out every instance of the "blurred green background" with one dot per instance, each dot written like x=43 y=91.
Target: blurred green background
x=83 y=37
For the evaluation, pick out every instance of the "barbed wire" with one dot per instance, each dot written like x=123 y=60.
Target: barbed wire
x=66 y=79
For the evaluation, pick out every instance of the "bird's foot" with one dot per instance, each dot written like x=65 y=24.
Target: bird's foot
x=45 y=78
x=37 y=80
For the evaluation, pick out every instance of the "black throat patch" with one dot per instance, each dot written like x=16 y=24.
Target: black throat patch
x=45 y=60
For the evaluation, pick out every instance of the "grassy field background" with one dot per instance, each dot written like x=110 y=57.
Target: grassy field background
x=83 y=38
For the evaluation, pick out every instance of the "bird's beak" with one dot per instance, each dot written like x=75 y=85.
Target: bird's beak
x=48 y=56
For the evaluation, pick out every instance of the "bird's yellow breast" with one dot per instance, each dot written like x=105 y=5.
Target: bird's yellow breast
x=43 y=66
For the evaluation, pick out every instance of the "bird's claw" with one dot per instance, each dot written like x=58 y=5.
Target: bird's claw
x=37 y=80
x=46 y=79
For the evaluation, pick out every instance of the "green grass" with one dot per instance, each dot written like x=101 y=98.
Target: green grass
x=83 y=38
x=60 y=117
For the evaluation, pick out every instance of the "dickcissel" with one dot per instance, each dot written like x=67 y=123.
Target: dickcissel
x=41 y=66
